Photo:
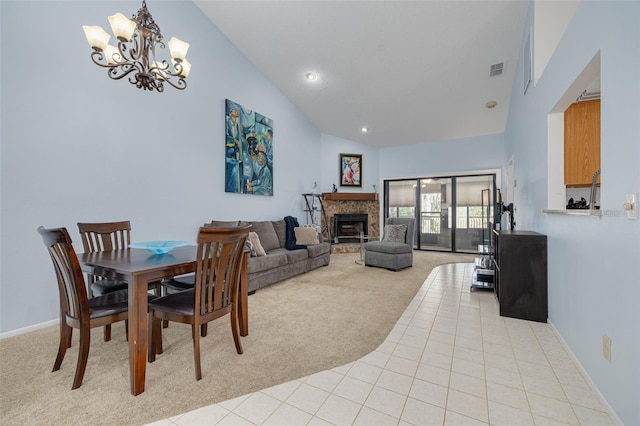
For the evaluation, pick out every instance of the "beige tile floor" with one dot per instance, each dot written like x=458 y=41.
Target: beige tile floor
x=449 y=360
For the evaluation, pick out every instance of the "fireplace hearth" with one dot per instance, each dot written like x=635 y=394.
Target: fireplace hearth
x=347 y=227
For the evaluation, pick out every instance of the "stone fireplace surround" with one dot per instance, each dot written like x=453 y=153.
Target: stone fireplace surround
x=353 y=203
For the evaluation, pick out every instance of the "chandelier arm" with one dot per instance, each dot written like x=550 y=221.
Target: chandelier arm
x=120 y=71
x=179 y=84
x=135 y=51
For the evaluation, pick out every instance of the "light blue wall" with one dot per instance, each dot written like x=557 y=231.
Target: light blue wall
x=442 y=157
x=594 y=263
x=78 y=146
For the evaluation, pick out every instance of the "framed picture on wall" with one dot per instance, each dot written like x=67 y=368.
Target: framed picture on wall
x=351 y=170
x=248 y=151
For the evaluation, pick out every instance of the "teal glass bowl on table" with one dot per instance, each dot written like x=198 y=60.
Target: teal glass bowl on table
x=159 y=247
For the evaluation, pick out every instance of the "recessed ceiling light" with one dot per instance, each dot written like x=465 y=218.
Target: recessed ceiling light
x=311 y=76
x=364 y=130
x=491 y=104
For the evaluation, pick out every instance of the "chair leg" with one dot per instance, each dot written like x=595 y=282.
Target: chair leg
x=155 y=336
x=203 y=330
x=160 y=291
x=235 y=329
x=158 y=337
x=70 y=334
x=65 y=342
x=107 y=332
x=126 y=329
x=83 y=355
x=196 y=352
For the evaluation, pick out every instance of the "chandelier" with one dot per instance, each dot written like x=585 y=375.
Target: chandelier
x=135 y=55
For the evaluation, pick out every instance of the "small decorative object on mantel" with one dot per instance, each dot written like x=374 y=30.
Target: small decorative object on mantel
x=374 y=189
x=335 y=189
x=315 y=187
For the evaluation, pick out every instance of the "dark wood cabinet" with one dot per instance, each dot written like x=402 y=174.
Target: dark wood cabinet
x=521 y=274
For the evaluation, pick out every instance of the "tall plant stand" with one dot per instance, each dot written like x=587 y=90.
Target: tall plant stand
x=312 y=201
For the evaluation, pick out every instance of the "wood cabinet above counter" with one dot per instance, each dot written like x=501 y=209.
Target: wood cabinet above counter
x=581 y=143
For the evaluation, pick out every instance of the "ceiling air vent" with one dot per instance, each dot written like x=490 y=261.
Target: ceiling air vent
x=496 y=69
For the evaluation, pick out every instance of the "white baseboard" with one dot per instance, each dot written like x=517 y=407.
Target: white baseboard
x=28 y=329
x=610 y=411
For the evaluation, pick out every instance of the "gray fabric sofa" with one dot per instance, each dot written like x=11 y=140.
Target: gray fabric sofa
x=280 y=263
x=390 y=254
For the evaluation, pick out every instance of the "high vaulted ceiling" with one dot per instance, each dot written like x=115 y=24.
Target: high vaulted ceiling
x=409 y=71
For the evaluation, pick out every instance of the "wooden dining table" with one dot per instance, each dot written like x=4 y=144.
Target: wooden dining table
x=138 y=267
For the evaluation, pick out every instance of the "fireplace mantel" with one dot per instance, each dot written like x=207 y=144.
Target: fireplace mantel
x=350 y=196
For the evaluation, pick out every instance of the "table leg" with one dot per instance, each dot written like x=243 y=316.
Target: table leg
x=138 y=333
x=243 y=305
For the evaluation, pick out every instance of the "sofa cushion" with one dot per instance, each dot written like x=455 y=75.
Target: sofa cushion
x=262 y=263
x=307 y=235
x=390 y=247
x=281 y=229
x=294 y=256
x=318 y=250
x=267 y=234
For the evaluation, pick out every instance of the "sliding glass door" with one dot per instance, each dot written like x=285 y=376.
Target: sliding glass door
x=472 y=211
x=435 y=217
x=453 y=213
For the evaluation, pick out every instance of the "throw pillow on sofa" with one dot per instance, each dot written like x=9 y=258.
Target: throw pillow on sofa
x=257 y=246
x=249 y=246
x=306 y=235
x=395 y=233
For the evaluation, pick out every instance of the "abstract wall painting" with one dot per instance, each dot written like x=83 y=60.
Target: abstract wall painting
x=248 y=151
x=351 y=170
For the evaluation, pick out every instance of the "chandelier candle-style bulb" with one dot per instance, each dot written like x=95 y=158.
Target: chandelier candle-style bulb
x=178 y=48
x=139 y=40
x=96 y=36
x=122 y=27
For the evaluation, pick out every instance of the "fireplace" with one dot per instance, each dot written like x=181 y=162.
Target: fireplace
x=347 y=227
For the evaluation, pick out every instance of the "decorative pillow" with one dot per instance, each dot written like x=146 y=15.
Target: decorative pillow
x=306 y=235
x=255 y=242
x=395 y=233
x=249 y=245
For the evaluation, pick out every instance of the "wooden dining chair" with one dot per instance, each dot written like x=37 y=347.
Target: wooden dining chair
x=77 y=310
x=107 y=236
x=215 y=293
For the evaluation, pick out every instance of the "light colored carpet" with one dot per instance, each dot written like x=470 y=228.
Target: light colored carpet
x=313 y=322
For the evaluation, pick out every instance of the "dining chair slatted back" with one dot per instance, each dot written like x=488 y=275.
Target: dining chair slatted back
x=215 y=293
x=187 y=282
x=105 y=236
x=68 y=272
x=76 y=309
